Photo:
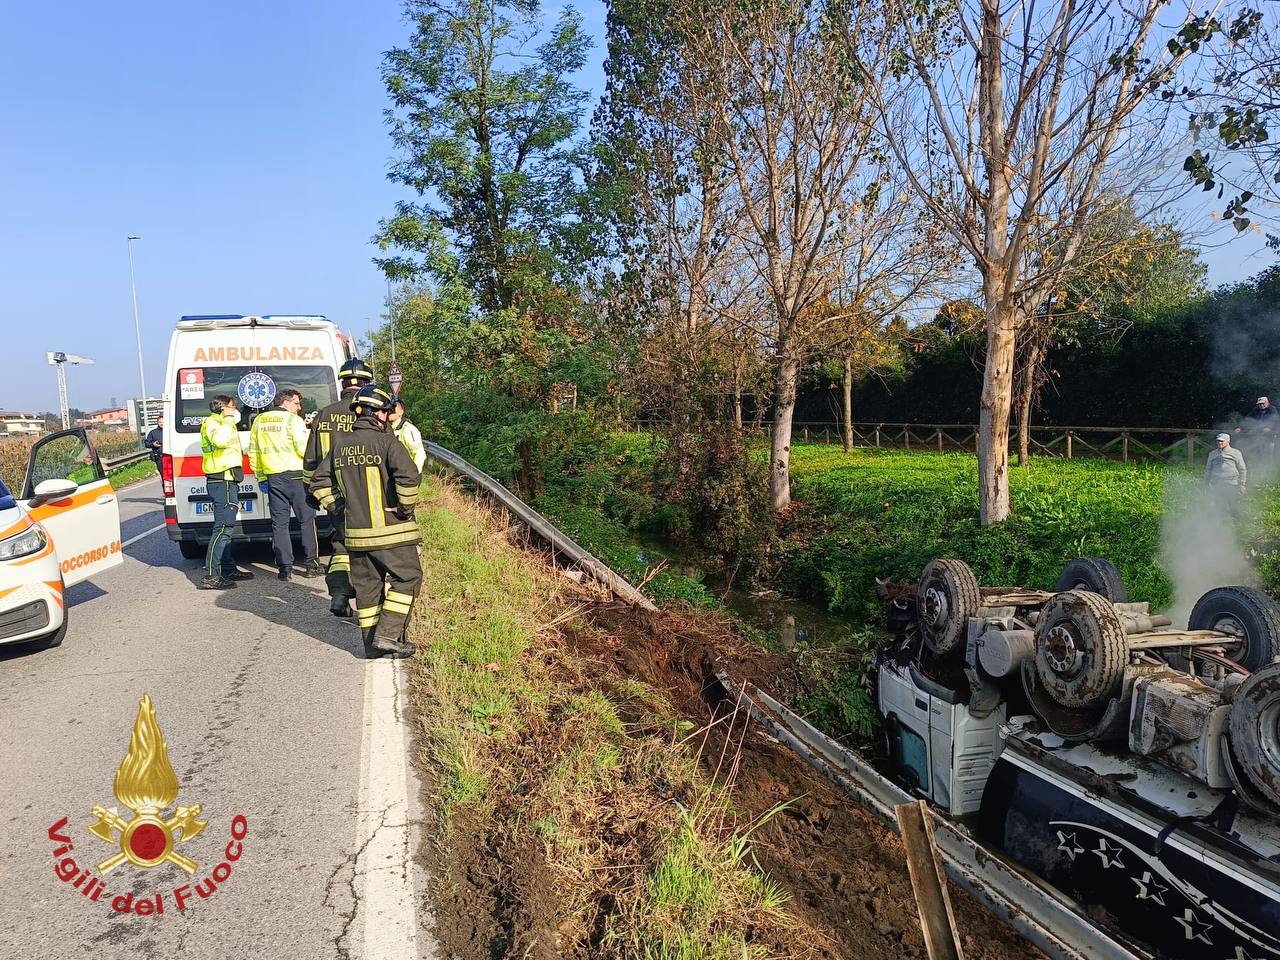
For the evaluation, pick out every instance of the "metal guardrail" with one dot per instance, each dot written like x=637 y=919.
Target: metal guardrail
x=124 y=460
x=1035 y=912
x=541 y=526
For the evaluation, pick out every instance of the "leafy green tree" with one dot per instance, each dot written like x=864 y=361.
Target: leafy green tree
x=486 y=119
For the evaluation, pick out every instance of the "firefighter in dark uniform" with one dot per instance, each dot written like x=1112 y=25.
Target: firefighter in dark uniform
x=333 y=419
x=372 y=479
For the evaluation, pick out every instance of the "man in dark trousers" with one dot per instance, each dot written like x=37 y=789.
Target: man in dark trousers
x=332 y=420
x=153 y=442
x=277 y=443
x=371 y=478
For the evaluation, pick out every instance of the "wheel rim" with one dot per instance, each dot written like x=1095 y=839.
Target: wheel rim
x=1232 y=626
x=1063 y=650
x=937 y=607
x=1269 y=733
x=1081 y=585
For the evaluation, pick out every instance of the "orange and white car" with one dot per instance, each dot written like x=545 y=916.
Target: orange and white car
x=64 y=528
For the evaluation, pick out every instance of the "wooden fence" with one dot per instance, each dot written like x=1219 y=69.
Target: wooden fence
x=1186 y=445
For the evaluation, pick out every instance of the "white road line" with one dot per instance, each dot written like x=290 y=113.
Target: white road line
x=387 y=910
x=145 y=533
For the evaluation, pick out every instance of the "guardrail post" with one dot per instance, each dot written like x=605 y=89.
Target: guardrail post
x=1069 y=436
x=1124 y=446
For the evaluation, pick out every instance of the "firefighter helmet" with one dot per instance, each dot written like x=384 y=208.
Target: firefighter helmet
x=371 y=398
x=355 y=370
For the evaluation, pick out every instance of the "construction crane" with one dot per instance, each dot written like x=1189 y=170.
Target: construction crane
x=60 y=360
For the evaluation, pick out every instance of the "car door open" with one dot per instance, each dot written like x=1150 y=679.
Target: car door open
x=68 y=492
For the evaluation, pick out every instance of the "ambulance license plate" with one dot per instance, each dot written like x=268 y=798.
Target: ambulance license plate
x=204 y=506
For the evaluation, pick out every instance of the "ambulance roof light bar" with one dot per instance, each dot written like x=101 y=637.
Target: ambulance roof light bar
x=211 y=321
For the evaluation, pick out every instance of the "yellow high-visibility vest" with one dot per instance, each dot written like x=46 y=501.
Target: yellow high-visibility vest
x=277 y=442
x=220 y=445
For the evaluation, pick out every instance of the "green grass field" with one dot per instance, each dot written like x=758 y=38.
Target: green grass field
x=874 y=513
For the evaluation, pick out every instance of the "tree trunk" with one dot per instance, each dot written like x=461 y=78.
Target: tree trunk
x=1026 y=397
x=993 y=418
x=737 y=408
x=846 y=389
x=617 y=409
x=784 y=407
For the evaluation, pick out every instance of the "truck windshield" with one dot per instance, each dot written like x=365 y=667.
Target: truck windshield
x=196 y=386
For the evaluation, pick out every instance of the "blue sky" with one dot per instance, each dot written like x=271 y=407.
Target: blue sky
x=243 y=141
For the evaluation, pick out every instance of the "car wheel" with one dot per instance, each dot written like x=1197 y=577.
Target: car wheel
x=1081 y=649
x=1245 y=613
x=1255 y=730
x=1093 y=574
x=191 y=550
x=946 y=598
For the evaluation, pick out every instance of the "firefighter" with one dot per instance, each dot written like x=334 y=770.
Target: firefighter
x=277 y=443
x=408 y=434
x=369 y=476
x=335 y=418
x=222 y=462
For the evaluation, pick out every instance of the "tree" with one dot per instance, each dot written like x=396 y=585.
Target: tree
x=791 y=109
x=485 y=117
x=1016 y=127
x=1128 y=271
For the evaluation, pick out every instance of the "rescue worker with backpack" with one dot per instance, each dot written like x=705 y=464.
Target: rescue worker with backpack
x=369 y=476
x=408 y=434
x=223 y=465
x=329 y=422
x=277 y=444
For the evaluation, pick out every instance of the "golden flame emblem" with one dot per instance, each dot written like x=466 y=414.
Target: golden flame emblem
x=146 y=784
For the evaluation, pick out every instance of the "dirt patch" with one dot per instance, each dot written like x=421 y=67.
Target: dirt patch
x=844 y=869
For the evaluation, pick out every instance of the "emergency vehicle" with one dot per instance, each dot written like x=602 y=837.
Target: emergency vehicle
x=250 y=358
x=63 y=528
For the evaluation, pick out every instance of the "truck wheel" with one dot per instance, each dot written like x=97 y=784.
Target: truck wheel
x=1255 y=730
x=1081 y=649
x=1093 y=574
x=191 y=550
x=1245 y=613
x=946 y=598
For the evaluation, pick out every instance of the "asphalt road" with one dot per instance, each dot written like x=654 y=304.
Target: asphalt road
x=270 y=713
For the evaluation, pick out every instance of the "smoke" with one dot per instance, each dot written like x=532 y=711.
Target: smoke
x=1204 y=537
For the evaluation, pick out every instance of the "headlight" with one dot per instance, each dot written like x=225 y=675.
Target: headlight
x=30 y=540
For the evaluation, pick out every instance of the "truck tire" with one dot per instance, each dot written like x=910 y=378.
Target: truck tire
x=1093 y=574
x=1255 y=730
x=1246 y=613
x=1081 y=649
x=191 y=550
x=946 y=598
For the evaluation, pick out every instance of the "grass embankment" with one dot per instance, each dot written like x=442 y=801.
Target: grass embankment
x=572 y=816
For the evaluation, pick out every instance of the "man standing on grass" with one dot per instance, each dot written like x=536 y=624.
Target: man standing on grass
x=277 y=443
x=370 y=478
x=1226 y=475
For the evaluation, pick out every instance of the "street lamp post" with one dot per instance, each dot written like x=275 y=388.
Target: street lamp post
x=137 y=330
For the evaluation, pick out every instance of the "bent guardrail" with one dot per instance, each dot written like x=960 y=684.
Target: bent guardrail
x=541 y=526
x=125 y=460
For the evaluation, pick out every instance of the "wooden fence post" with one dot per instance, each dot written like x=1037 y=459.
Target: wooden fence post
x=939 y=439
x=877 y=434
x=1124 y=446
x=805 y=431
x=1069 y=435
x=906 y=436
x=1191 y=449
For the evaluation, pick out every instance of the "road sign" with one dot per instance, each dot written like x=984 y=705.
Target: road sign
x=395 y=377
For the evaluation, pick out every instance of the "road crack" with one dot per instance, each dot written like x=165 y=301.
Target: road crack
x=352 y=860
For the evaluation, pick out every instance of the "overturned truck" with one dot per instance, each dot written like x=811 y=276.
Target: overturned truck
x=1131 y=765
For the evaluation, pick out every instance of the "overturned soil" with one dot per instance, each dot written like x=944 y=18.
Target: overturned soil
x=844 y=869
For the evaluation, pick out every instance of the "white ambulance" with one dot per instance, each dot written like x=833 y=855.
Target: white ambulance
x=251 y=359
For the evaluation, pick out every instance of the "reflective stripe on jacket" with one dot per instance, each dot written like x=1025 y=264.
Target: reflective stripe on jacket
x=369 y=473
x=411 y=437
x=277 y=442
x=220 y=444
